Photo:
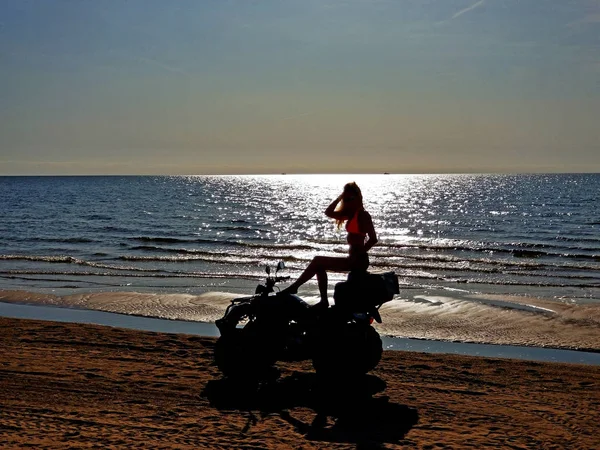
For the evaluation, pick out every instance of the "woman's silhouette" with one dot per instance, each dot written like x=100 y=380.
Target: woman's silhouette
x=347 y=207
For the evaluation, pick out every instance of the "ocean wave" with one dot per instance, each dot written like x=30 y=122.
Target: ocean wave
x=298 y=262
x=212 y=257
x=484 y=270
x=516 y=253
x=59 y=240
x=412 y=273
x=70 y=260
x=494 y=249
x=98 y=217
x=483 y=264
x=473 y=245
x=49 y=259
x=397 y=250
x=273 y=246
x=115 y=229
x=513 y=282
x=192 y=251
x=140 y=273
x=166 y=240
x=154 y=248
x=227 y=241
x=555 y=275
x=516 y=249
x=239 y=228
x=594 y=240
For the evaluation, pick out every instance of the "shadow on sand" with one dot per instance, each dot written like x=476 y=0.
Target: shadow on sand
x=357 y=416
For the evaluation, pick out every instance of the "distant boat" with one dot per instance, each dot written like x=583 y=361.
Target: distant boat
x=386 y=173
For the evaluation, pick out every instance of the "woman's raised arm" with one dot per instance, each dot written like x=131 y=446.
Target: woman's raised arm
x=331 y=212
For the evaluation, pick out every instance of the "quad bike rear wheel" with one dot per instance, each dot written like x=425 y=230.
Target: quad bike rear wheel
x=350 y=350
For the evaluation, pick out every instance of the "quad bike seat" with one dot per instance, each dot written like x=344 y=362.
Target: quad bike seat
x=366 y=292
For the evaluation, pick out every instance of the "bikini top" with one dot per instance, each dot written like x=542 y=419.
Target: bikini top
x=352 y=225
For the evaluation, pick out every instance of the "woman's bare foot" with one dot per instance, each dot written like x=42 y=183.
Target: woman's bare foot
x=291 y=289
x=321 y=305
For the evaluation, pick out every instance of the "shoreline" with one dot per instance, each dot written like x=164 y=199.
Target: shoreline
x=423 y=314
x=208 y=329
x=82 y=386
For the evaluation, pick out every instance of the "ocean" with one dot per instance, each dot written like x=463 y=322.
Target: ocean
x=486 y=258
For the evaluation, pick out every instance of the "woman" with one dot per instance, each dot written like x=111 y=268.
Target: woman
x=348 y=207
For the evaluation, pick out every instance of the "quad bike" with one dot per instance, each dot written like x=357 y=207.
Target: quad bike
x=259 y=330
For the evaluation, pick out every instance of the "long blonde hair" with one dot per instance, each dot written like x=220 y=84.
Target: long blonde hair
x=349 y=189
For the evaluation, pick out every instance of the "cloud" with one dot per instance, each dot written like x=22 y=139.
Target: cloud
x=156 y=63
x=124 y=54
x=466 y=10
x=86 y=167
x=296 y=116
x=587 y=20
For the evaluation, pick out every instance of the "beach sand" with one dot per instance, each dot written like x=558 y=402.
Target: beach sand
x=81 y=386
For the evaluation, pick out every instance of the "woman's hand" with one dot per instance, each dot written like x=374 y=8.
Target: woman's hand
x=330 y=211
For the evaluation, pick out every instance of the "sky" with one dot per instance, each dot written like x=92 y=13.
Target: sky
x=311 y=86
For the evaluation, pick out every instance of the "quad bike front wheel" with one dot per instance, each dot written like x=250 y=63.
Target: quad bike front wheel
x=244 y=353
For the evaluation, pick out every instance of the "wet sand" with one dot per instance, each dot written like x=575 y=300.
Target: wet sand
x=81 y=386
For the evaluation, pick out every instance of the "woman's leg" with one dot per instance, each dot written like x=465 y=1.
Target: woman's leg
x=319 y=267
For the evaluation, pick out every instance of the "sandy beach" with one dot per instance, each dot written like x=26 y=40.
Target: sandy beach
x=81 y=386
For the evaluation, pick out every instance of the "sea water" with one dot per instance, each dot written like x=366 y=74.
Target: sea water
x=504 y=259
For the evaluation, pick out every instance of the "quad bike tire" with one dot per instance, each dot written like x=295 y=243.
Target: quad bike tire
x=242 y=353
x=352 y=350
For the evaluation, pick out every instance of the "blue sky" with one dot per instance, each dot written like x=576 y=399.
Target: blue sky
x=243 y=86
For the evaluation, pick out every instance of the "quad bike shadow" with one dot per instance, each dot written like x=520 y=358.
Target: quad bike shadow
x=344 y=411
x=259 y=330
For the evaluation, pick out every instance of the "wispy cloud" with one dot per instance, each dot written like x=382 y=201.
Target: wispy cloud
x=587 y=20
x=129 y=56
x=466 y=10
x=83 y=167
x=296 y=116
x=156 y=63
